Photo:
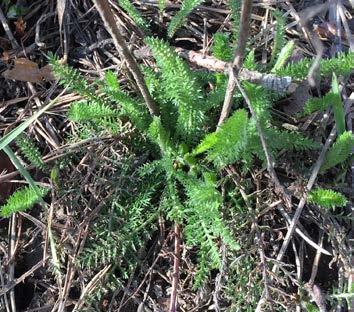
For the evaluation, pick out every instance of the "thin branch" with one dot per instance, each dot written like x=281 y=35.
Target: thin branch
x=316 y=261
x=269 y=81
x=302 y=202
x=305 y=17
x=176 y=264
x=107 y=16
x=8 y=31
x=279 y=188
x=239 y=55
x=11 y=285
x=302 y=234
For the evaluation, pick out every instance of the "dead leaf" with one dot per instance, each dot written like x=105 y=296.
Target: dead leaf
x=47 y=73
x=5 y=167
x=20 y=27
x=24 y=70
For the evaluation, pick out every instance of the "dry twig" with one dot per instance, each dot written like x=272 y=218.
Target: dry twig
x=238 y=59
x=8 y=31
x=279 y=188
x=107 y=16
x=175 y=277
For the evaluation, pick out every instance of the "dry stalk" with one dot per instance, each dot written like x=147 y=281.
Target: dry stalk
x=107 y=16
x=176 y=264
x=301 y=232
x=302 y=202
x=8 y=31
x=11 y=285
x=279 y=188
x=238 y=59
x=268 y=81
x=304 y=18
x=295 y=220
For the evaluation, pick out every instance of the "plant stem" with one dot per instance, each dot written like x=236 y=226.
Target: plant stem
x=175 y=276
x=107 y=16
x=238 y=59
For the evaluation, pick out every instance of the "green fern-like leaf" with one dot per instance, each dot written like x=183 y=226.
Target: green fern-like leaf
x=134 y=14
x=22 y=200
x=159 y=135
x=151 y=80
x=235 y=8
x=31 y=151
x=84 y=111
x=204 y=223
x=261 y=102
x=343 y=64
x=177 y=21
x=279 y=36
x=319 y=104
x=223 y=146
x=221 y=49
x=279 y=140
x=283 y=56
x=339 y=152
x=250 y=61
x=338 y=110
x=327 y=198
x=134 y=109
x=162 y=5
x=93 y=116
x=72 y=79
x=180 y=86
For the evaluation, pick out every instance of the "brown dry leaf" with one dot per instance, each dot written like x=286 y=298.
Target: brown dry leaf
x=5 y=167
x=20 y=26
x=24 y=70
x=47 y=73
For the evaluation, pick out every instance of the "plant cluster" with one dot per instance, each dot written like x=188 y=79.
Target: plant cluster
x=191 y=153
x=185 y=154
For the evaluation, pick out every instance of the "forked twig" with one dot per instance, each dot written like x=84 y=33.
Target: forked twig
x=268 y=81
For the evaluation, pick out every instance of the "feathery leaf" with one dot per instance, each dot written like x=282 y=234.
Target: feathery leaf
x=177 y=21
x=22 y=200
x=339 y=152
x=327 y=198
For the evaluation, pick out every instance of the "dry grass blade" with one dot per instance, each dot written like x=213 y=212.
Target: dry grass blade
x=61 y=6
